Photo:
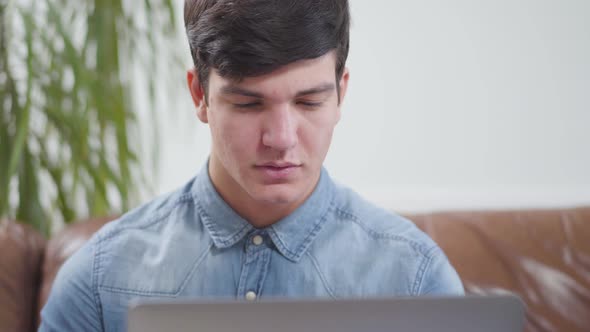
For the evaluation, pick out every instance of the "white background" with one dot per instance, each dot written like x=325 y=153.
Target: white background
x=451 y=105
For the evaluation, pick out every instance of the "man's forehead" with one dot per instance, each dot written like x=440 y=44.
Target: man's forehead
x=313 y=74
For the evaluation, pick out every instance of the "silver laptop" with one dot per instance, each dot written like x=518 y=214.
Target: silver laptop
x=442 y=314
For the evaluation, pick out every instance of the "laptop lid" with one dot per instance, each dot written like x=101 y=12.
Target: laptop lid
x=418 y=314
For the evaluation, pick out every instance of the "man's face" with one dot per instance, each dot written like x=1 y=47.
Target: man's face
x=271 y=133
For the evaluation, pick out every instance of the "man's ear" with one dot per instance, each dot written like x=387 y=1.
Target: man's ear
x=344 y=84
x=197 y=93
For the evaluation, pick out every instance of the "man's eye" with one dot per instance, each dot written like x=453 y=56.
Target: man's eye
x=310 y=104
x=248 y=105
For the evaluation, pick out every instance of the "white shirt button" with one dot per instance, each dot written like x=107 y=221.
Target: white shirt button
x=250 y=296
x=257 y=240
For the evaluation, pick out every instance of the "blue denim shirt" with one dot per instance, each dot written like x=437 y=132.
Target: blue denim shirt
x=192 y=244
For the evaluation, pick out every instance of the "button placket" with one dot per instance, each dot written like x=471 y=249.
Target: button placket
x=254 y=268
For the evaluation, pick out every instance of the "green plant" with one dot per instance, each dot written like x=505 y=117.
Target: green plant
x=69 y=73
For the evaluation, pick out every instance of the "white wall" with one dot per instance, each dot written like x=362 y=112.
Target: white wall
x=452 y=104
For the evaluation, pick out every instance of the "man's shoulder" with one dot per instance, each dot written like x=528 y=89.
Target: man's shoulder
x=396 y=257
x=151 y=214
x=147 y=241
x=140 y=254
x=379 y=223
x=144 y=217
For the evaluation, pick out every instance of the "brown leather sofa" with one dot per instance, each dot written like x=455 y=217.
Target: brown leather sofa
x=541 y=255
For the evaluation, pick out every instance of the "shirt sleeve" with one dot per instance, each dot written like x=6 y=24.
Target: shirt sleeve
x=440 y=277
x=73 y=303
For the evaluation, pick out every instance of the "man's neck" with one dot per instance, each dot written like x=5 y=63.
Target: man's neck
x=260 y=215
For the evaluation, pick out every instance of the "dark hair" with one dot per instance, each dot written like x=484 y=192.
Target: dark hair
x=244 y=38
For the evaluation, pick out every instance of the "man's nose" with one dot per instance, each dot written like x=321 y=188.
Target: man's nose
x=280 y=128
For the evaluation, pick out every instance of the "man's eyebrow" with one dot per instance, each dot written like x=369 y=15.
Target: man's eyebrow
x=318 y=89
x=235 y=90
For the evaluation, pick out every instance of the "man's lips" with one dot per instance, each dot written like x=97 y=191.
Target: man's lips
x=278 y=165
x=278 y=171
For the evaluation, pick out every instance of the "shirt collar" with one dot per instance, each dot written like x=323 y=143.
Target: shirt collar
x=291 y=235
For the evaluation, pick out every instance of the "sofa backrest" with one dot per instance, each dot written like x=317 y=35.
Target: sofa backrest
x=541 y=255
x=21 y=255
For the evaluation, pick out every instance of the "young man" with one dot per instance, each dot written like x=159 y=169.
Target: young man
x=262 y=219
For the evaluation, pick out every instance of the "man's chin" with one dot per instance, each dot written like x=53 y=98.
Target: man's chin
x=276 y=199
x=276 y=195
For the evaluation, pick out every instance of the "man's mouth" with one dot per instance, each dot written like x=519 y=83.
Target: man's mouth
x=279 y=164
x=278 y=170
